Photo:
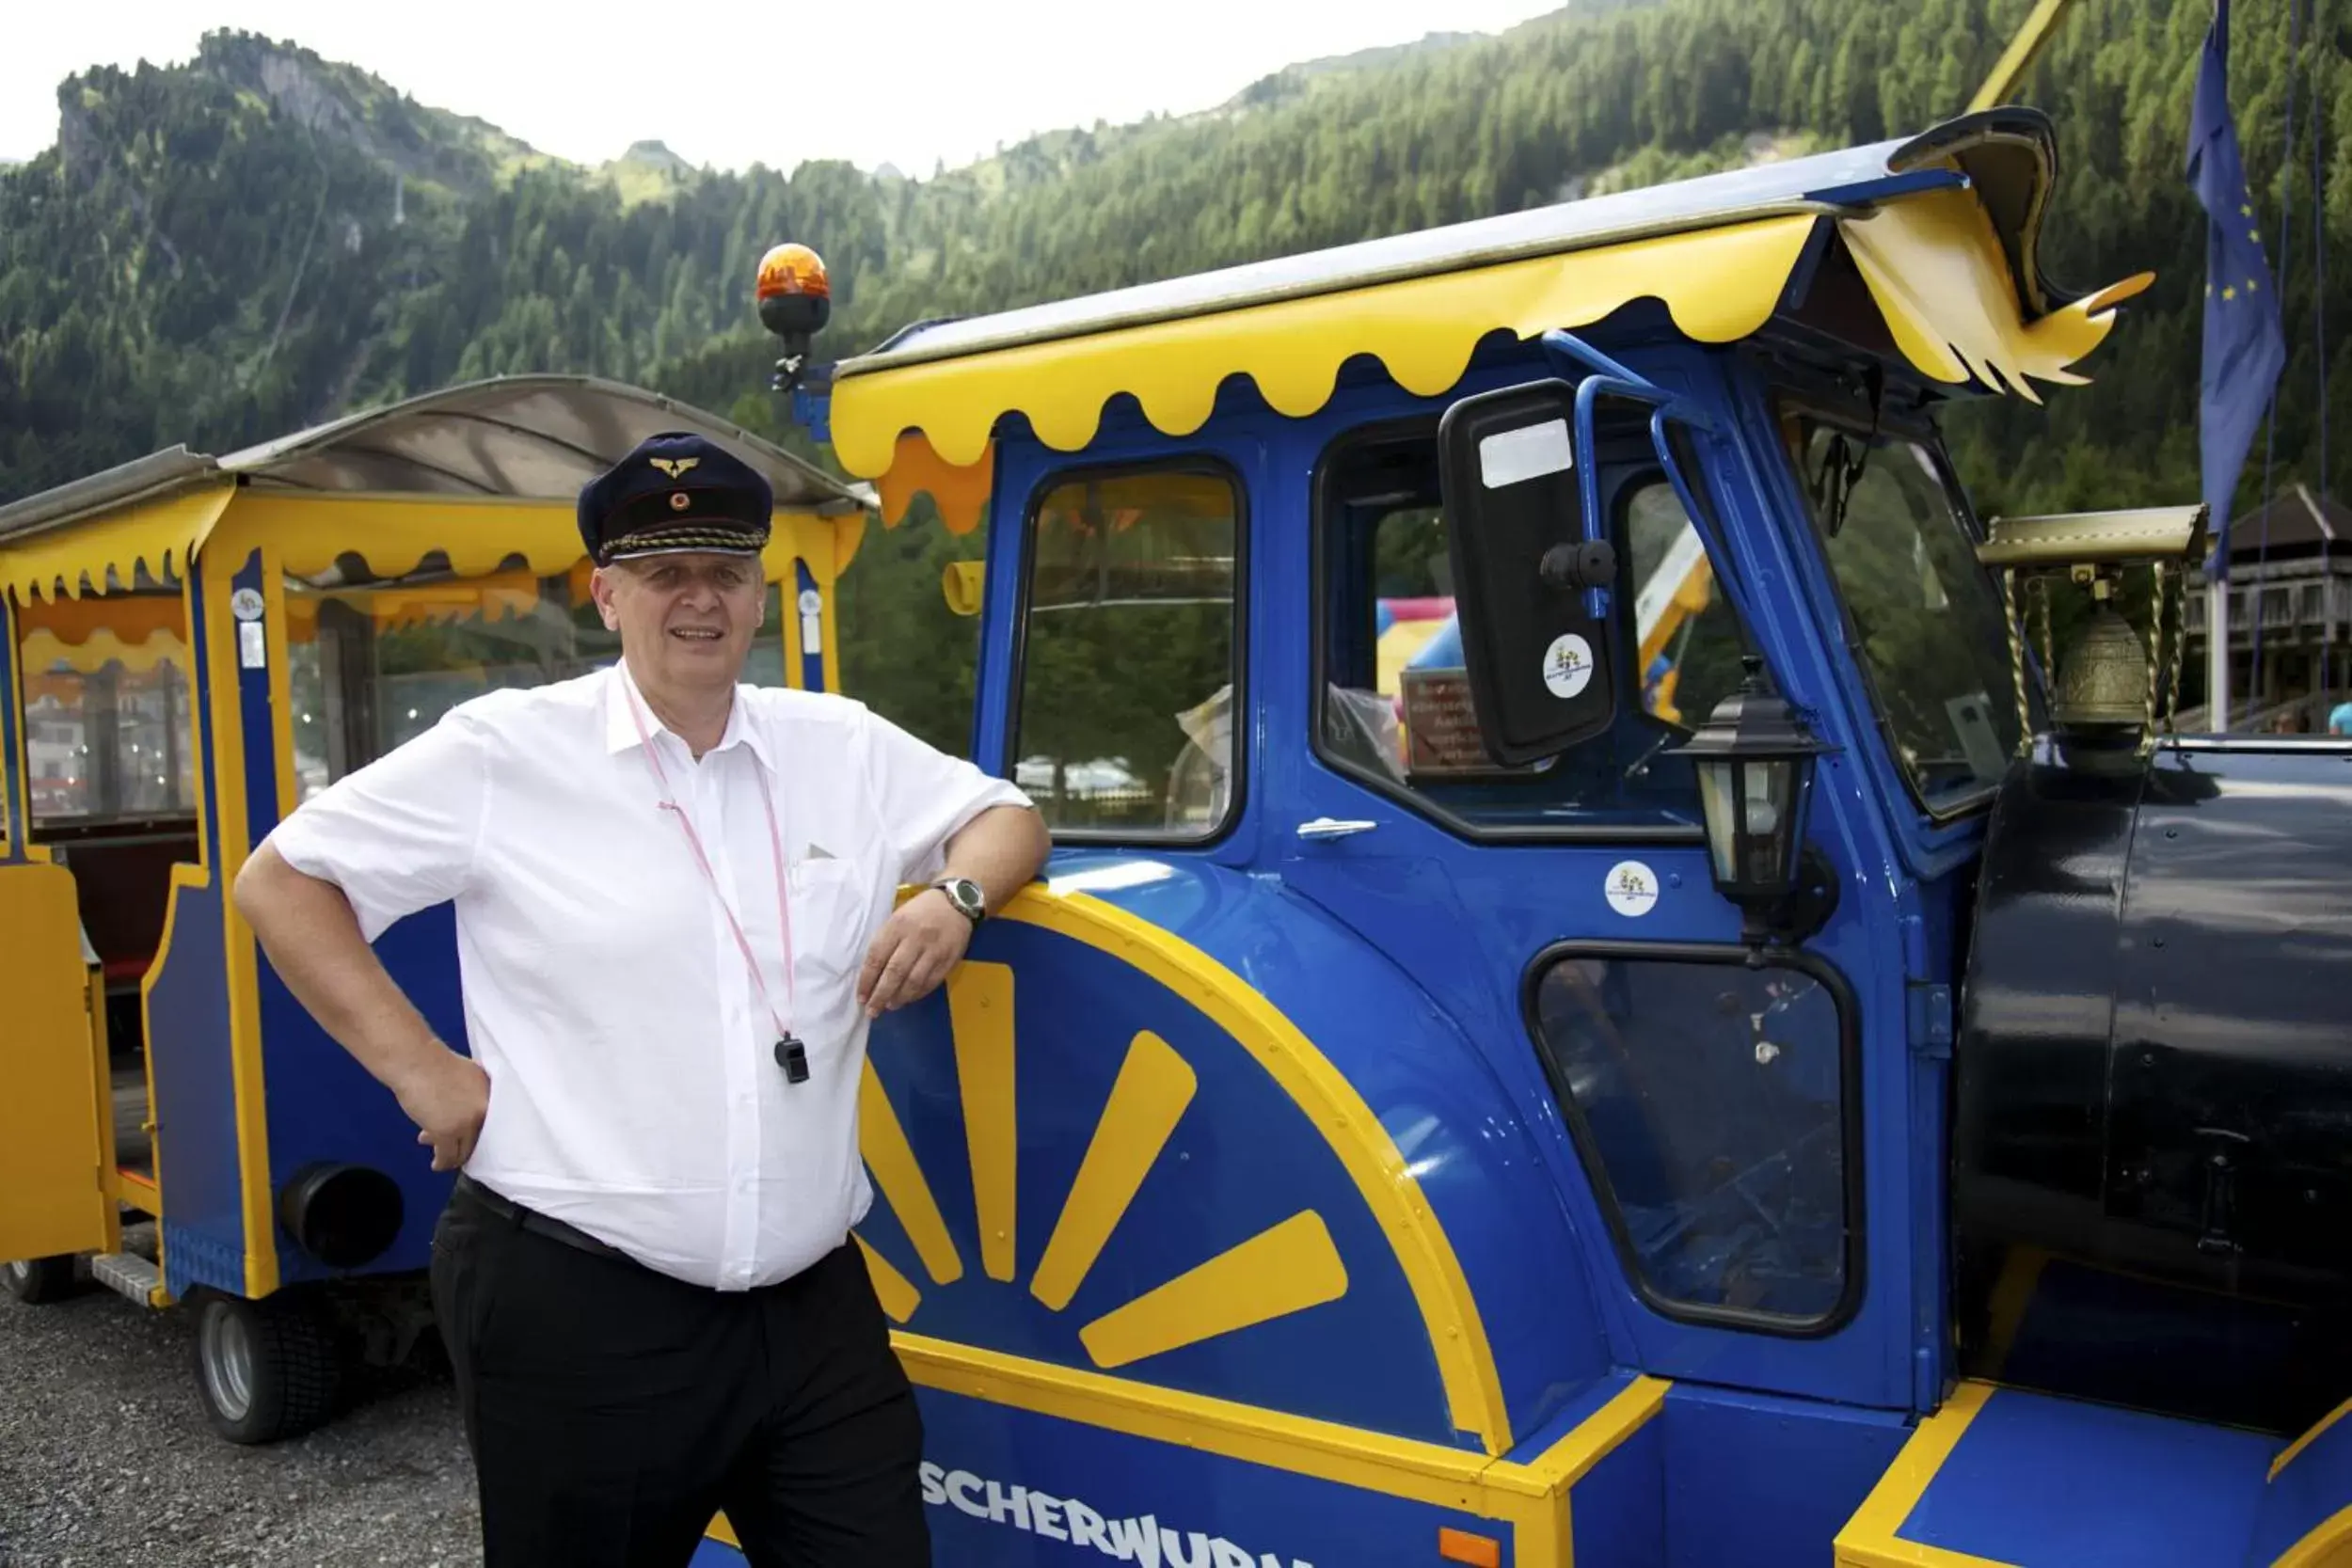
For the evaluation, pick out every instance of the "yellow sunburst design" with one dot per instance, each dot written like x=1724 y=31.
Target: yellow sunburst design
x=1283 y=1269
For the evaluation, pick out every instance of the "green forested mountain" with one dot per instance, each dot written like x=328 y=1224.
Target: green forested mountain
x=233 y=248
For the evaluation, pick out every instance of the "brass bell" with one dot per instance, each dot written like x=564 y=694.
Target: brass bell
x=2105 y=680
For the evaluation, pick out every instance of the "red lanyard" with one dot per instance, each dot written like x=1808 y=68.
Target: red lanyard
x=788 y=1051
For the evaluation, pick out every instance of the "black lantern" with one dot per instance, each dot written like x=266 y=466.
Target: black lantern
x=1754 y=760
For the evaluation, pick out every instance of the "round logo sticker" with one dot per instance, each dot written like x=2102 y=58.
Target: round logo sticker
x=246 y=604
x=1632 y=889
x=810 y=603
x=1567 y=665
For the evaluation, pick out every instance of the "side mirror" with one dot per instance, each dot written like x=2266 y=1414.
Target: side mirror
x=1530 y=573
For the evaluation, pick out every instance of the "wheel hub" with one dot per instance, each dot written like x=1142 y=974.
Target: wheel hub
x=228 y=1347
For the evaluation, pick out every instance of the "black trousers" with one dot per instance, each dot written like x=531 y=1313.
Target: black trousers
x=612 y=1410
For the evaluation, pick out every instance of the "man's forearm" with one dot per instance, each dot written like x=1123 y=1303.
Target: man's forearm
x=313 y=941
x=1003 y=850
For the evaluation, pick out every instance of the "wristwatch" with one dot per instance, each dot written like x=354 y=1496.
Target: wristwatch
x=966 y=895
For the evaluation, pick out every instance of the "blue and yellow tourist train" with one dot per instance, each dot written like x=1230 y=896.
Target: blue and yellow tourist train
x=1711 y=1045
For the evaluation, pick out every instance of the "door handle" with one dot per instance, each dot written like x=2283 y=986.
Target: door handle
x=1332 y=827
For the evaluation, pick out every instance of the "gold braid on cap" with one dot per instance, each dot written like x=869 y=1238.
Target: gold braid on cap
x=686 y=539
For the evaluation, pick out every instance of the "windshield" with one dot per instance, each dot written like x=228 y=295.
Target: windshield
x=1924 y=618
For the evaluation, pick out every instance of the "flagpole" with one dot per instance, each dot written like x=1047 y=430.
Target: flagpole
x=2217 y=654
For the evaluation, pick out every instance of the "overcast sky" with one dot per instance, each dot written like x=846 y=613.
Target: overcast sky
x=726 y=83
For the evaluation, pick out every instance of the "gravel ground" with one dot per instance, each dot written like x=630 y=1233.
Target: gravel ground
x=105 y=1461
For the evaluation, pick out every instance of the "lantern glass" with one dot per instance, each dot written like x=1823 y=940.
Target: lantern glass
x=1718 y=790
x=1753 y=761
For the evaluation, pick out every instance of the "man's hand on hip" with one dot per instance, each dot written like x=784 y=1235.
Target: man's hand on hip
x=448 y=1101
x=923 y=939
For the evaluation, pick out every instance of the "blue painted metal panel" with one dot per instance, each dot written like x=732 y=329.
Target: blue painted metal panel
x=1242 y=1160
x=1399 y=1035
x=1454 y=1125
x=1461 y=921
x=1617 y=1512
x=261 y=750
x=323 y=1106
x=2042 y=1482
x=2315 y=1485
x=1765 y=1482
x=812 y=657
x=189 y=1040
x=195 y=1108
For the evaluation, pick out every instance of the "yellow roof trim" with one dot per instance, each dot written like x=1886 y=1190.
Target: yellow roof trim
x=1932 y=263
x=961 y=494
x=394 y=534
x=1718 y=284
x=72 y=560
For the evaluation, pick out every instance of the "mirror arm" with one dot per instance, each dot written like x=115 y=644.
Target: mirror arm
x=1567 y=352
x=1708 y=522
x=1573 y=358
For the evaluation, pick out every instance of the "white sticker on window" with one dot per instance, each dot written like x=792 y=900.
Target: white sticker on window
x=1567 y=665
x=251 y=648
x=1632 y=889
x=246 y=604
x=1527 y=453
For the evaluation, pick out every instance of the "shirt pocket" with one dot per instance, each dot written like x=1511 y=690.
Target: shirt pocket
x=830 y=917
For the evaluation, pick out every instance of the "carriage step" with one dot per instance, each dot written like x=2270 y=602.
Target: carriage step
x=128 y=1273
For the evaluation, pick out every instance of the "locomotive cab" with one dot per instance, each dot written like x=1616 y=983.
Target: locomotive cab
x=1533 y=730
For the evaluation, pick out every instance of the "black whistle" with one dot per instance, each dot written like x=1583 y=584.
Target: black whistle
x=793 y=1058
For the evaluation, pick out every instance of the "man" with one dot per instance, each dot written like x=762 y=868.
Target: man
x=675 y=908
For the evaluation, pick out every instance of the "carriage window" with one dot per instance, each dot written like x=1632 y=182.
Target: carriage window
x=1396 y=706
x=1708 y=1101
x=1128 y=656
x=108 y=729
x=374 y=663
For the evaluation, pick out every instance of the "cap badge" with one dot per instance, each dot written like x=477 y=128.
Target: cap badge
x=677 y=501
x=673 y=465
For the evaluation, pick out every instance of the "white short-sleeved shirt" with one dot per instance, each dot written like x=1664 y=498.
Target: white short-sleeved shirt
x=635 y=1091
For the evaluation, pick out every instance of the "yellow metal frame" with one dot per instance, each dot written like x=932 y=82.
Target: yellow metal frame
x=2019 y=56
x=1531 y=1495
x=14 y=778
x=1873 y=1538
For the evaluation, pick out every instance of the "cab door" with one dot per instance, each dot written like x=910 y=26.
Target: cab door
x=51 y=1201
x=1701 y=1113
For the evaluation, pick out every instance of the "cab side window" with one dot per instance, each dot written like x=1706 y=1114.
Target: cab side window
x=1396 y=709
x=1129 y=654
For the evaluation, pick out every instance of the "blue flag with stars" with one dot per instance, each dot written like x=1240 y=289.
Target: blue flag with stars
x=2244 y=345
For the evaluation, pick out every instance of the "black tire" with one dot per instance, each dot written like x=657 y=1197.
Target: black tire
x=42 y=1279
x=266 y=1370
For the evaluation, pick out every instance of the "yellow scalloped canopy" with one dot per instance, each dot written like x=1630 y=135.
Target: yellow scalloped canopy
x=75 y=558
x=1932 y=264
x=1720 y=284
